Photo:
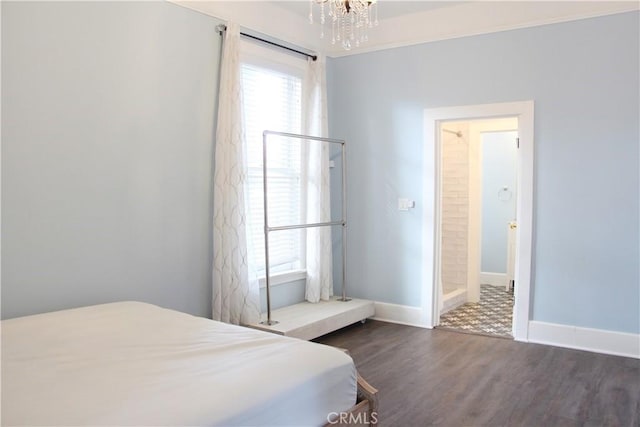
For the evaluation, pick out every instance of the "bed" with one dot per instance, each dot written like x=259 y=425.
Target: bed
x=132 y=363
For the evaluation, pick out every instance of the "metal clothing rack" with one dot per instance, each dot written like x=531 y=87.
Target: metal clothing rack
x=267 y=228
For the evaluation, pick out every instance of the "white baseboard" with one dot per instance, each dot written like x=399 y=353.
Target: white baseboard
x=595 y=340
x=494 y=279
x=453 y=300
x=401 y=314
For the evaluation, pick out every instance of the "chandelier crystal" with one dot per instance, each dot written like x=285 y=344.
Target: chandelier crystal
x=349 y=20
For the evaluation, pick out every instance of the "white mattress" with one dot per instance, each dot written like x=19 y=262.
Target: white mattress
x=131 y=363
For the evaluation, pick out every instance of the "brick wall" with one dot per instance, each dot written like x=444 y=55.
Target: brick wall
x=455 y=206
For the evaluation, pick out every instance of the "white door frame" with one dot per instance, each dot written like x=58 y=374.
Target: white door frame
x=524 y=209
x=476 y=129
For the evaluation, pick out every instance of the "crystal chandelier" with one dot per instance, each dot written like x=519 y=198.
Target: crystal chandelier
x=349 y=19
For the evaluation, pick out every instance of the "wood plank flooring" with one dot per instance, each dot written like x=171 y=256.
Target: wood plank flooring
x=444 y=378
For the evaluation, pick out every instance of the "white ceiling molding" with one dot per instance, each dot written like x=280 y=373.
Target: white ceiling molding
x=432 y=24
x=262 y=17
x=476 y=18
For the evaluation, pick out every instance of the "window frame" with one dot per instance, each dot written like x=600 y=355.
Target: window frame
x=262 y=56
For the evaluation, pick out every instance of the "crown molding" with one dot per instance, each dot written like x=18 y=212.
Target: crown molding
x=262 y=17
x=477 y=18
x=459 y=20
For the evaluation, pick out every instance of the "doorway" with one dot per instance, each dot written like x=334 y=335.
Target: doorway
x=434 y=118
x=478 y=193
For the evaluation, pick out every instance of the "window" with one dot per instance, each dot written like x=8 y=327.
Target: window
x=272 y=100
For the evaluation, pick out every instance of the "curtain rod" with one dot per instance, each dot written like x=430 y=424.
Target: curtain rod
x=222 y=28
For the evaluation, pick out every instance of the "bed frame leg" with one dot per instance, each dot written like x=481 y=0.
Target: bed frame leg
x=369 y=393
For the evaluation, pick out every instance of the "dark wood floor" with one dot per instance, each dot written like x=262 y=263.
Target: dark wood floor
x=438 y=377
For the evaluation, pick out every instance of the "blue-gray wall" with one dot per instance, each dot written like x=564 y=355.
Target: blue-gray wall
x=107 y=141
x=498 y=170
x=583 y=77
x=107 y=130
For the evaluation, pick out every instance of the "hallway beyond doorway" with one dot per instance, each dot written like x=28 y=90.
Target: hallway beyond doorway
x=491 y=316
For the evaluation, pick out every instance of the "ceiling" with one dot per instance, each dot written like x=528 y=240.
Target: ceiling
x=386 y=8
x=404 y=23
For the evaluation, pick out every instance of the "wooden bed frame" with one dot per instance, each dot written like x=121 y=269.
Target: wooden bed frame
x=364 y=412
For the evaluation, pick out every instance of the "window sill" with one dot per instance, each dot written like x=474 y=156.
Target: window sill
x=283 y=278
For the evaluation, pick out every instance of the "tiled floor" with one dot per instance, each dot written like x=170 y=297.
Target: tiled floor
x=491 y=316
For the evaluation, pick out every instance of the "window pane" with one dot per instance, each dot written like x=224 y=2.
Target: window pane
x=272 y=101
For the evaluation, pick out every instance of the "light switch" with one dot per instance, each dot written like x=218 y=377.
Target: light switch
x=405 y=204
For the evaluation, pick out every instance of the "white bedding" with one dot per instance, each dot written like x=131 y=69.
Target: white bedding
x=131 y=363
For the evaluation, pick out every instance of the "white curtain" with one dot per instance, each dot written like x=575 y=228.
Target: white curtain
x=236 y=292
x=318 y=208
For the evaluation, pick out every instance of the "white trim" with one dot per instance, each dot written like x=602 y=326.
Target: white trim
x=476 y=18
x=282 y=278
x=457 y=20
x=594 y=340
x=476 y=131
x=453 y=300
x=401 y=314
x=263 y=56
x=263 y=17
x=494 y=279
x=431 y=196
